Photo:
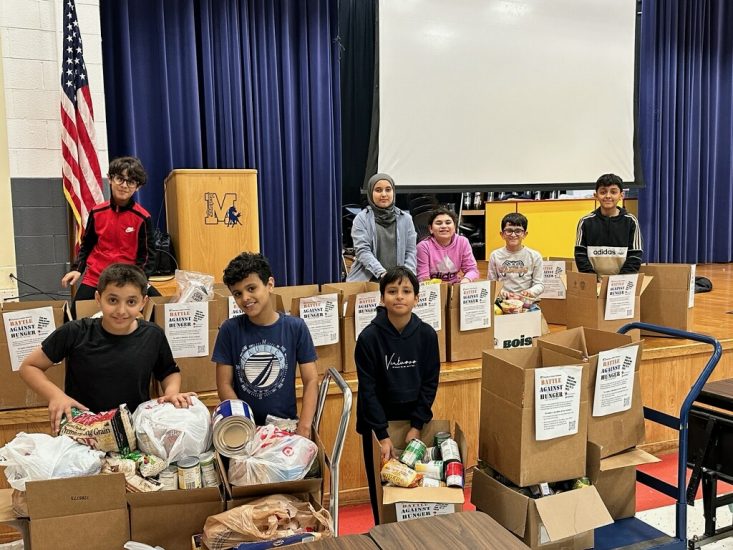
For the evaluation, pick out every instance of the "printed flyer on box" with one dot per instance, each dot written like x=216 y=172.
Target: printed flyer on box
x=691 y=297
x=553 y=271
x=620 y=297
x=25 y=330
x=614 y=380
x=234 y=310
x=556 y=401
x=416 y=510
x=428 y=306
x=476 y=305
x=365 y=309
x=321 y=316
x=187 y=327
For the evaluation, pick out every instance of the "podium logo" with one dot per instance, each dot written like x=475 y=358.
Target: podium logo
x=222 y=211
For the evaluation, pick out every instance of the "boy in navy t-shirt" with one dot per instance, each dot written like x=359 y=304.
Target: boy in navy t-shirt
x=256 y=353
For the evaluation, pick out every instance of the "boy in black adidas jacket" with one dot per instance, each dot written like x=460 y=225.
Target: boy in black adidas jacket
x=608 y=240
x=398 y=366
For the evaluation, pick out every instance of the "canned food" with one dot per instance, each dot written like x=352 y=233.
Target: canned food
x=433 y=469
x=449 y=450
x=430 y=482
x=454 y=474
x=209 y=475
x=414 y=451
x=431 y=453
x=440 y=437
x=232 y=426
x=189 y=473
x=168 y=478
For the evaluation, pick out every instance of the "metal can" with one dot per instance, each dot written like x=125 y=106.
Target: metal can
x=414 y=451
x=431 y=453
x=449 y=450
x=209 y=475
x=433 y=469
x=454 y=474
x=232 y=427
x=440 y=437
x=429 y=482
x=189 y=473
x=168 y=478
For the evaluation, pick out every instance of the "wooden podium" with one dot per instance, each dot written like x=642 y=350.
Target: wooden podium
x=213 y=215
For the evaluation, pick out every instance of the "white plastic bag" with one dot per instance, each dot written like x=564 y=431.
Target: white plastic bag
x=37 y=457
x=170 y=433
x=193 y=287
x=272 y=456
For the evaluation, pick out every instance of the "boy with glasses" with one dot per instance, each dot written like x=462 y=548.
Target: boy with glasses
x=117 y=231
x=518 y=267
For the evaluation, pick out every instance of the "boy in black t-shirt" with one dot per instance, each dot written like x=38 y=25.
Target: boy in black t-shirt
x=109 y=360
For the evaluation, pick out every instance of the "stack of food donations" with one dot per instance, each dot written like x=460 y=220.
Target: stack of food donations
x=426 y=478
x=163 y=467
x=559 y=426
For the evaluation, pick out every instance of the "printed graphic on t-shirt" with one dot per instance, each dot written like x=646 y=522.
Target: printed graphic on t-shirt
x=394 y=361
x=262 y=368
x=607 y=260
x=515 y=268
x=445 y=270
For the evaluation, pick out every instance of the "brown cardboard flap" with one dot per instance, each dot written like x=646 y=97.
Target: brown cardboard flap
x=634 y=457
x=668 y=276
x=6 y=505
x=107 y=530
x=444 y=495
x=571 y=513
x=503 y=372
x=507 y=507
x=75 y=495
x=582 y=284
x=285 y=296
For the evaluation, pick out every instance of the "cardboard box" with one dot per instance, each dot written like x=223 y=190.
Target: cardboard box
x=518 y=330
x=555 y=309
x=559 y=522
x=398 y=503
x=615 y=478
x=236 y=496
x=507 y=436
x=468 y=344
x=77 y=512
x=349 y=292
x=15 y=394
x=197 y=373
x=170 y=518
x=287 y=300
x=616 y=432
x=670 y=297
x=587 y=302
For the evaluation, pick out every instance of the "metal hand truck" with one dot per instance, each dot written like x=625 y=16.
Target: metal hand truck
x=333 y=460
x=632 y=526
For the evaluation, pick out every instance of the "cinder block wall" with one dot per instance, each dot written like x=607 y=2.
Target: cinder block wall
x=31 y=43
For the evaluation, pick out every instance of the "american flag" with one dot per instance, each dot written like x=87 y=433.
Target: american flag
x=81 y=174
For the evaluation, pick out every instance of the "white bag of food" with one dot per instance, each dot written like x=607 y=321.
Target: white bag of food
x=170 y=433
x=37 y=457
x=273 y=455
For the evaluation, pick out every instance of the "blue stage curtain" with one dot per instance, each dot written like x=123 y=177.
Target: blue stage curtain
x=235 y=84
x=686 y=130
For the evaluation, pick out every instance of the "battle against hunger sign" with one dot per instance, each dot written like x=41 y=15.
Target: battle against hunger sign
x=365 y=309
x=428 y=306
x=476 y=305
x=556 y=401
x=321 y=316
x=553 y=271
x=186 y=328
x=614 y=386
x=25 y=330
x=620 y=296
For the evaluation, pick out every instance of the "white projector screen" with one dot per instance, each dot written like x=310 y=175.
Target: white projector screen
x=501 y=93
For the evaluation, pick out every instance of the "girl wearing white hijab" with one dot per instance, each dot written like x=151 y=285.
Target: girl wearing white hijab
x=384 y=236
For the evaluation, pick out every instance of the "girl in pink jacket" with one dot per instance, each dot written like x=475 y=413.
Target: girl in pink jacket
x=445 y=255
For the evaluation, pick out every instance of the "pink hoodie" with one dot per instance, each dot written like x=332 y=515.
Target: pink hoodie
x=446 y=262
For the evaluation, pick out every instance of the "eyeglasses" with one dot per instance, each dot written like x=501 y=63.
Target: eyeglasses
x=513 y=231
x=118 y=180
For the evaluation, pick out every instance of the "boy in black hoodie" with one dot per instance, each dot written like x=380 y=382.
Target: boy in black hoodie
x=398 y=366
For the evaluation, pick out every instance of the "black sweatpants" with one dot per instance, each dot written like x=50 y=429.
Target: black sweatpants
x=367 y=447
